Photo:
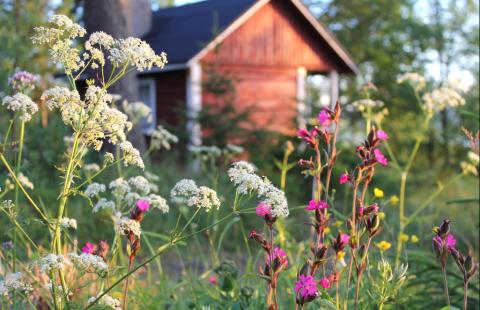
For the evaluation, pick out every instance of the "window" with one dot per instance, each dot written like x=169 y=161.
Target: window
x=147 y=94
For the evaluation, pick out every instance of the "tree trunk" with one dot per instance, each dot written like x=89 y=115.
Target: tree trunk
x=115 y=18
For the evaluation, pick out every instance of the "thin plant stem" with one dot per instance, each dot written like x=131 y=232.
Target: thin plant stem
x=125 y=291
x=465 y=295
x=445 y=283
x=17 y=169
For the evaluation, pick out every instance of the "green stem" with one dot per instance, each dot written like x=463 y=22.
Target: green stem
x=445 y=283
x=17 y=169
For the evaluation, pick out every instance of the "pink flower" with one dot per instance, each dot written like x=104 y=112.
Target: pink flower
x=280 y=254
x=308 y=136
x=340 y=242
x=324 y=118
x=317 y=205
x=450 y=242
x=143 y=205
x=343 y=178
x=89 y=248
x=263 y=209
x=344 y=238
x=306 y=286
x=325 y=283
x=382 y=135
x=213 y=280
x=381 y=159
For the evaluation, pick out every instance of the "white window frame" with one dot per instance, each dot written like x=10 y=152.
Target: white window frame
x=150 y=82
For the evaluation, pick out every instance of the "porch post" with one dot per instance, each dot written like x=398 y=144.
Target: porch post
x=301 y=97
x=194 y=103
x=334 y=92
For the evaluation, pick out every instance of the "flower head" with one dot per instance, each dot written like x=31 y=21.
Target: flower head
x=382 y=135
x=308 y=136
x=343 y=178
x=381 y=159
x=22 y=104
x=414 y=238
x=263 y=209
x=143 y=205
x=317 y=205
x=384 y=245
x=89 y=248
x=378 y=192
x=324 y=117
x=281 y=256
x=325 y=283
x=306 y=288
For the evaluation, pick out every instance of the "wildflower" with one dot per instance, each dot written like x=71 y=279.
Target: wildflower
x=89 y=248
x=22 y=104
x=364 y=104
x=340 y=255
x=404 y=238
x=306 y=288
x=415 y=80
x=414 y=239
x=140 y=184
x=13 y=282
x=94 y=189
x=68 y=223
x=162 y=139
x=383 y=245
x=22 y=80
x=213 y=280
x=119 y=187
x=263 y=209
x=394 y=200
x=344 y=178
x=25 y=181
x=325 y=283
x=442 y=98
x=382 y=135
x=143 y=205
x=324 y=117
x=381 y=159
x=125 y=226
x=280 y=257
x=89 y=168
x=381 y=216
x=308 y=136
x=53 y=262
x=327 y=230
x=108 y=158
x=448 y=243
x=183 y=191
x=88 y=262
x=103 y=204
x=378 y=192
x=131 y=156
x=158 y=202
x=340 y=242
x=206 y=198
x=7 y=245
x=137 y=53
x=317 y=205
x=107 y=301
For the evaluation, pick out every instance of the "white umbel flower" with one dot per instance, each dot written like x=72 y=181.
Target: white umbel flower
x=107 y=301
x=104 y=204
x=415 y=80
x=205 y=198
x=68 y=223
x=94 y=189
x=25 y=181
x=131 y=156
x=137 y=53
x=124 y=226
x=13 y=282
x=158 y=202
x=52 y=262
x=442 y=98
x=162 y=139
x=119 y=187
x=21 y=104
x=89 y=263
x=183 y=191
x=140 y=184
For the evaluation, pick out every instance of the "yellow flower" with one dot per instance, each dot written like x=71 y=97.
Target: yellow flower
x=327 y=230
x=404 y=237
x=381 y=216
x=338 y=223
x=340 y=255
x=394 y=200
x=414 y=239
x=378 y=192
x=384 y=245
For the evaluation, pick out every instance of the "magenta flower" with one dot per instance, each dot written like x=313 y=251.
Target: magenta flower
x=317 y=205
x=280 y=254
x=382 y=135
x=213 y=280
x=325 y=283
x=308 y=136
x=143 y=205
x=263 y=209
x=450 y=242
x=343 y=178
x=381 y=159
x=340 y=242
x=324 y=118
x=89 y=248
x=306 y=287
x=344 y=238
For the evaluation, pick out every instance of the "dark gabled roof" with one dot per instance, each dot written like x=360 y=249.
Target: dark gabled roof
x=183 y=31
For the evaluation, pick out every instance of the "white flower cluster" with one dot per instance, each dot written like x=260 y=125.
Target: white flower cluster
x=22 y=104
x=89 y=263
x=13 y=282
x=103 y=204
x=53 y=262
x=94 y=189
x=206 y=153
x=415 y=80
x=186 y=191
x=25 y=181
x=119 y=187
x=141 y=185
x=68 y=223
x=107 y=301
x=442 y=98
x=135 y=52
x=91 y=168
x=243 y=175
x=59 y=37
x=131 y=156
x=162 y=139
x=124 y=226
x=137 y=110
x=364 y=104
x=158 y=202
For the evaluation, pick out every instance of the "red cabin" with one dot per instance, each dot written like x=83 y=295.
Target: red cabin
x=270 y=46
